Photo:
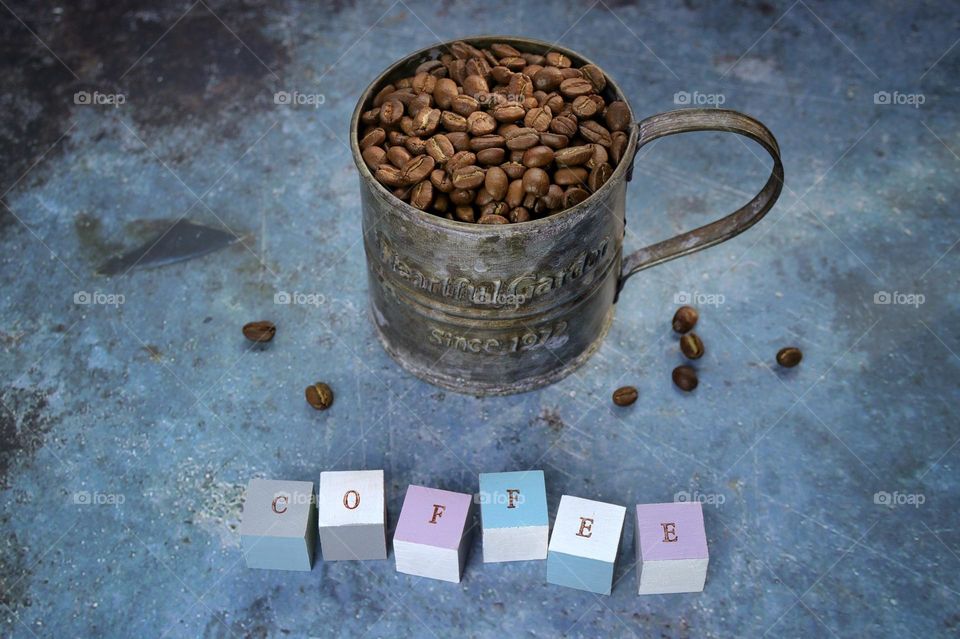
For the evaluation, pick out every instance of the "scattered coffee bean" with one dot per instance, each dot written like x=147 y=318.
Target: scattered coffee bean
x=469 y=125
x=685 y=377
x=692 y=346
x=262 y=331
x=789 y=357
x=319 y=396
x=685 y=319
x=625 y=395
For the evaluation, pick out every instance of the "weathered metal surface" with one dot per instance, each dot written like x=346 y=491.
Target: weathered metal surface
x=494 y=310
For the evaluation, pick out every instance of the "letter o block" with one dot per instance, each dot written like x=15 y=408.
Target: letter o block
x=433 y=534
x=671 y=548
x=352 y=515
x=278 y=526
x=584 y=544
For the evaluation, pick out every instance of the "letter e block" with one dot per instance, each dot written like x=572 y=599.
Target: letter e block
x=513 y=511
x=353 y=515
x=278 y=526
x=584 y=544
x=671 y=548
x=433 y=534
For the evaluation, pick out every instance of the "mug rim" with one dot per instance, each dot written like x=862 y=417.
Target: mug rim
x=408 y=210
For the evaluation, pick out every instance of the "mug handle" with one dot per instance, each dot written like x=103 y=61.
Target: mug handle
x=682 y=121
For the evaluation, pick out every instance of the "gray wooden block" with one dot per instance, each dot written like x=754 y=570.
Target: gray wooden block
x=352 y=515
x=278 y=527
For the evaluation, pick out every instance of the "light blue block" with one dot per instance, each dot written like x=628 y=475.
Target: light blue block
x=530 y=505
x=278 y=553
x=580 y=573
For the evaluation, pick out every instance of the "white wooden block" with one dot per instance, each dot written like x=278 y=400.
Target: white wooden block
x=584 y=544
x=352 y=515
x=278 y=526
x=671 y=548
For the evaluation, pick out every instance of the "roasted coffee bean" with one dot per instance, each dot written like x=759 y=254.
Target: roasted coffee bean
x=537 y=156
x=617 y=116
x=595 y=132
x=398 y=156
x=518 y=215
x=685 y=377
x=493 y=219
x=465 y=213
x=599 y=176
x=570 y=176
x=468 y=177
x=593 y=73
x=319 y=396
x=573 y=155
x=536 y=182
x=625 y=395
x=691 y=346
x=261 y=331
x=440 y=148
x=496 y=183
x=789 y=357
x=685 y=319
x=417 y=169
x=542 y=123
x=374 y=156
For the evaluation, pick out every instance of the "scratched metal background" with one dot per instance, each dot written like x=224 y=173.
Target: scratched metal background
x=158 y=402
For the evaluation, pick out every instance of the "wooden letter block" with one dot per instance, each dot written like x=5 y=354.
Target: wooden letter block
x=584 y=544
x=278 y=527
x=671 y=548
x=353 y=515
x=433 y=534
x=513 y=512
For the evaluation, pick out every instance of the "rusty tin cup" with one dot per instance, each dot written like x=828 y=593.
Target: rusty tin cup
x=499 y=309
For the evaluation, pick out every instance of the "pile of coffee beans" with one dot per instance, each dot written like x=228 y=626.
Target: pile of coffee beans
x=495 y=135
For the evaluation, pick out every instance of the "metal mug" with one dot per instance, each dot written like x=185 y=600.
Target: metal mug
x=499 y=309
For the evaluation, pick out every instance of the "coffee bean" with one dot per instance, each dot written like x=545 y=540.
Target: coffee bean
x=685 y=319
x=262 y=331
x=319 y=396
x=468 y=177
x=691 y=346
x=685 y=377
x=493 y=219
x=789 y=357
x=539 y=133
x=625 y=395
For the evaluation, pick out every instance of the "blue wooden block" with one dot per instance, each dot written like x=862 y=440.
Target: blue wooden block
x=584 y=544
x=514 y=519
x=278 y=526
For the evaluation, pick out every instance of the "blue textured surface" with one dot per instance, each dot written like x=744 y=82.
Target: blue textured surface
x=530 y=507
x=130 y=430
